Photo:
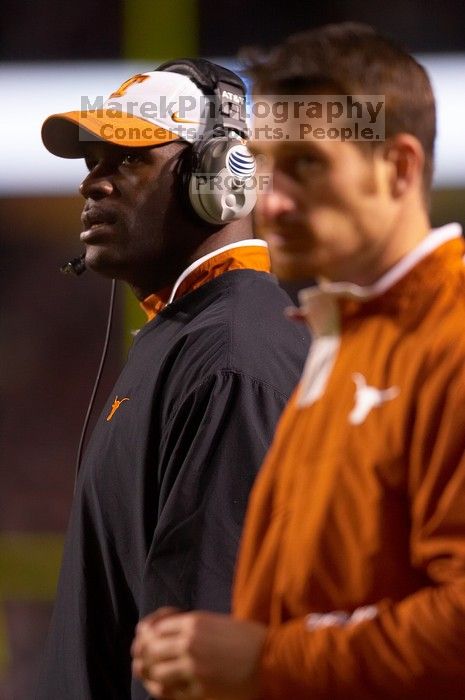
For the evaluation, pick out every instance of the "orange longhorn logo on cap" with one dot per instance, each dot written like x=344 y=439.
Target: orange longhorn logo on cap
x=139 y=78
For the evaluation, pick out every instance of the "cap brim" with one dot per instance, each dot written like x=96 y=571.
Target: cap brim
x=65 y=134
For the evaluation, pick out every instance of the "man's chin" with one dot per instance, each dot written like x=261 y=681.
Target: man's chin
x=293 y=269
x=100 y=260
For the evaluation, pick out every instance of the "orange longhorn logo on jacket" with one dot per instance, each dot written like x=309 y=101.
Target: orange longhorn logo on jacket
x=114 y=407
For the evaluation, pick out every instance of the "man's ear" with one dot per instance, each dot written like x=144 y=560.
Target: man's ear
x=406 y=156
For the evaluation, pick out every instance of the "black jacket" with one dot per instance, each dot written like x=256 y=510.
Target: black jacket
x=164 y=484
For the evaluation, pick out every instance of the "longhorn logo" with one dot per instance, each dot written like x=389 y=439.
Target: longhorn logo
x=114 y=407
x=368 y=397
x=139 y=78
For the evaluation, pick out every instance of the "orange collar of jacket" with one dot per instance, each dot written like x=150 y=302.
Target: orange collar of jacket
x=418 y=275
x=240 y=257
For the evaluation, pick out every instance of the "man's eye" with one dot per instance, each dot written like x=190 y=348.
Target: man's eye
x=305 y=161
x=130 y=157
x=90 y=164
x=306 y=165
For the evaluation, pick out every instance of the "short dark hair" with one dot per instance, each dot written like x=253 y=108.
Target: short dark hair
x=352 y=58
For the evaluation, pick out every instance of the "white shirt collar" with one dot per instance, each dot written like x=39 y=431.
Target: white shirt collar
x=204 y=258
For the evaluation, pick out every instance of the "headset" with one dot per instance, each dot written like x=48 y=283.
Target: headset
x=218 y=172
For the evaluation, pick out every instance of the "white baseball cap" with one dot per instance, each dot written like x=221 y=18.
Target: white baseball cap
x=147 y=110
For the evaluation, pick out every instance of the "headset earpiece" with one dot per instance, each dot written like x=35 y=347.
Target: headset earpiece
x=221 y=186
x=218 y=175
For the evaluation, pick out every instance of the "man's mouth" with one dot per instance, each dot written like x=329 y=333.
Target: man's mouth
x=96 y=222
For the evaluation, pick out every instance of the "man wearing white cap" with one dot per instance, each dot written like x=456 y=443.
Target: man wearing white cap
x=165 y=479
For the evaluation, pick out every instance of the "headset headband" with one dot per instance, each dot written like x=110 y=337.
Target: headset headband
x=226 y=89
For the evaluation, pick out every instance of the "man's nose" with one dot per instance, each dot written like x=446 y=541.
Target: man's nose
x=96 y=185
x=275 y=201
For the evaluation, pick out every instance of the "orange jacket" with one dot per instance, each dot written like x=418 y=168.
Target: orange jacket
x=353 y=552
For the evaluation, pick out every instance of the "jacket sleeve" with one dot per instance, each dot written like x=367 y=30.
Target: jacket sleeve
x=210 y=451
x=413 y=648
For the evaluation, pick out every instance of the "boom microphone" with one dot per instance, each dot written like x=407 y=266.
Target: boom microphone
x=75 y=267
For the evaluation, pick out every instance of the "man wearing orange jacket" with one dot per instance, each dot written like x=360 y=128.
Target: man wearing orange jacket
x=351 y=575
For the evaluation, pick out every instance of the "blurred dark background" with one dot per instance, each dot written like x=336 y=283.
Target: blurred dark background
x=54 y=30
x=52 y=328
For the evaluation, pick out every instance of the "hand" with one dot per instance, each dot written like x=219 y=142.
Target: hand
x=197 y=655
